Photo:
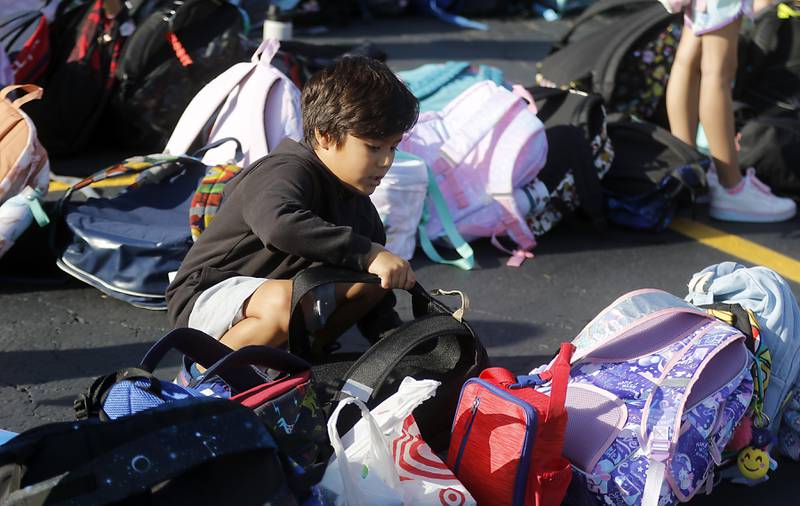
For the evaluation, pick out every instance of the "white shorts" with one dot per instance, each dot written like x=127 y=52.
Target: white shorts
x=221 y=306
x=704 y=16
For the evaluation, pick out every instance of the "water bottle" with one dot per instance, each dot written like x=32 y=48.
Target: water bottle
x=16 y=215
x=278 y=25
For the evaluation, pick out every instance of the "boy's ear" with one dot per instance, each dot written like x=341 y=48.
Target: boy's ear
x=324 y=141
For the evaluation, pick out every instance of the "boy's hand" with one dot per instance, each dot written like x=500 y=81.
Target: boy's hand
x=393 y=270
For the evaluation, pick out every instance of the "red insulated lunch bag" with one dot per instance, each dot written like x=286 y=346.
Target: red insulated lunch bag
x=507 y=437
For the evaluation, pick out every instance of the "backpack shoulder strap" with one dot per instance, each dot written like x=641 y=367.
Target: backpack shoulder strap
x=305 y=281
x=466 y=260
x=663 y=411
x=244 y=113
x=210 y=98
x=482 y=120
x=376 y=364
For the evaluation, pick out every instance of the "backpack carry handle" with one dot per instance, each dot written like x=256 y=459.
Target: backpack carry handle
x=307 y=280
x=559 y=374
x=256 y=355
x=237 y=157
x=32 y=92
x=201 y=348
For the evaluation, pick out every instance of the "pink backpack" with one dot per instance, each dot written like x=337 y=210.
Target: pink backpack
x=483 y=147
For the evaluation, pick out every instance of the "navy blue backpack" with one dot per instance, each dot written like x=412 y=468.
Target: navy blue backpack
x=126 y=245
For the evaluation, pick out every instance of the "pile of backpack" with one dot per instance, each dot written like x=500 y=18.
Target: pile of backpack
x=653 y=402
x=490 y=159
x=115 y=72
x=639 y=42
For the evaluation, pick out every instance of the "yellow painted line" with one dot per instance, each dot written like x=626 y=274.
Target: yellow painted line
x=741 y=248
x=58 y=186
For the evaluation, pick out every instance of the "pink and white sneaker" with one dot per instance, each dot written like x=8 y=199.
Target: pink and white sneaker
x=750 y=201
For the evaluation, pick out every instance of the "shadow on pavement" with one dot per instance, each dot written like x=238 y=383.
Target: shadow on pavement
x=32 y=367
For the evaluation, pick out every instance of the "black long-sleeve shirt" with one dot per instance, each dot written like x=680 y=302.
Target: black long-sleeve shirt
x=284 y=213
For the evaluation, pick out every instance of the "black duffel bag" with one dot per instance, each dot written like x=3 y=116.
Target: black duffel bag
x=437 y=344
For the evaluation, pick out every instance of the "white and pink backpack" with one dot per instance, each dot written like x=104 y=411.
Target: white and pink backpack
x=483 y=147
x=258 y=105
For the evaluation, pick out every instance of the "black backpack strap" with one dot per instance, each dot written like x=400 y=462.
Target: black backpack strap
x=90 y=403
x=374 y=367
x=576 y=155
x=313 y=277
x=587 y=183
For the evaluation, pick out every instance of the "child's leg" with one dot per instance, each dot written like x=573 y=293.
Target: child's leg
x=718 y=69
x=683 y=88
x=353 y=302
x=267 y=311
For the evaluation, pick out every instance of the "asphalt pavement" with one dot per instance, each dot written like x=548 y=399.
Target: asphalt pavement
x=57 y=334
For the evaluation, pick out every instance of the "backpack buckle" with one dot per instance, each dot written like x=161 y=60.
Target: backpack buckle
x=659 y=445
x=81 y=407
x=459 y=313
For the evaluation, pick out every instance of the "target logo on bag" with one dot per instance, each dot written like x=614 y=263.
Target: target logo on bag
x=414 y=458
x=452 y=497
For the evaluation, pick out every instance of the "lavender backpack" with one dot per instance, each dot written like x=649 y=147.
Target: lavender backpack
x=483 y=147
x=656 y=389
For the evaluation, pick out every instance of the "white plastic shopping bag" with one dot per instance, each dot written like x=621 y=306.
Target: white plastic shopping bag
x=362 y=472
x=423 y=479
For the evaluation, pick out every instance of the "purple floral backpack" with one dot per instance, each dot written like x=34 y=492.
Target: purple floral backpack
x=656 y=389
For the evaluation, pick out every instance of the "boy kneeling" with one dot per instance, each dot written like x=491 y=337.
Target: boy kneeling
x=305 y=203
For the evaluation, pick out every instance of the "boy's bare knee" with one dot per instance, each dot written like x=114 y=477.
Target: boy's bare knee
x=272 y=301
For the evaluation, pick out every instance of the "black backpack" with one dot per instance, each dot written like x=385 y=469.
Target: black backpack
x=174 y=52
x=85 y=46
x=300 y=60
x=598 y=16
x=652 y=174
x=199 y=451
x=768 y=74
x=437 y=344
x=580 y=154
x=607 y=57
x=771 y=144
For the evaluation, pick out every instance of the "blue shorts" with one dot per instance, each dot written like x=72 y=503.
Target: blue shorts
x=704 y=16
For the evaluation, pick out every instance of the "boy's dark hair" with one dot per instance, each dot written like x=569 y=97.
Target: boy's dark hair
x=359 y=96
